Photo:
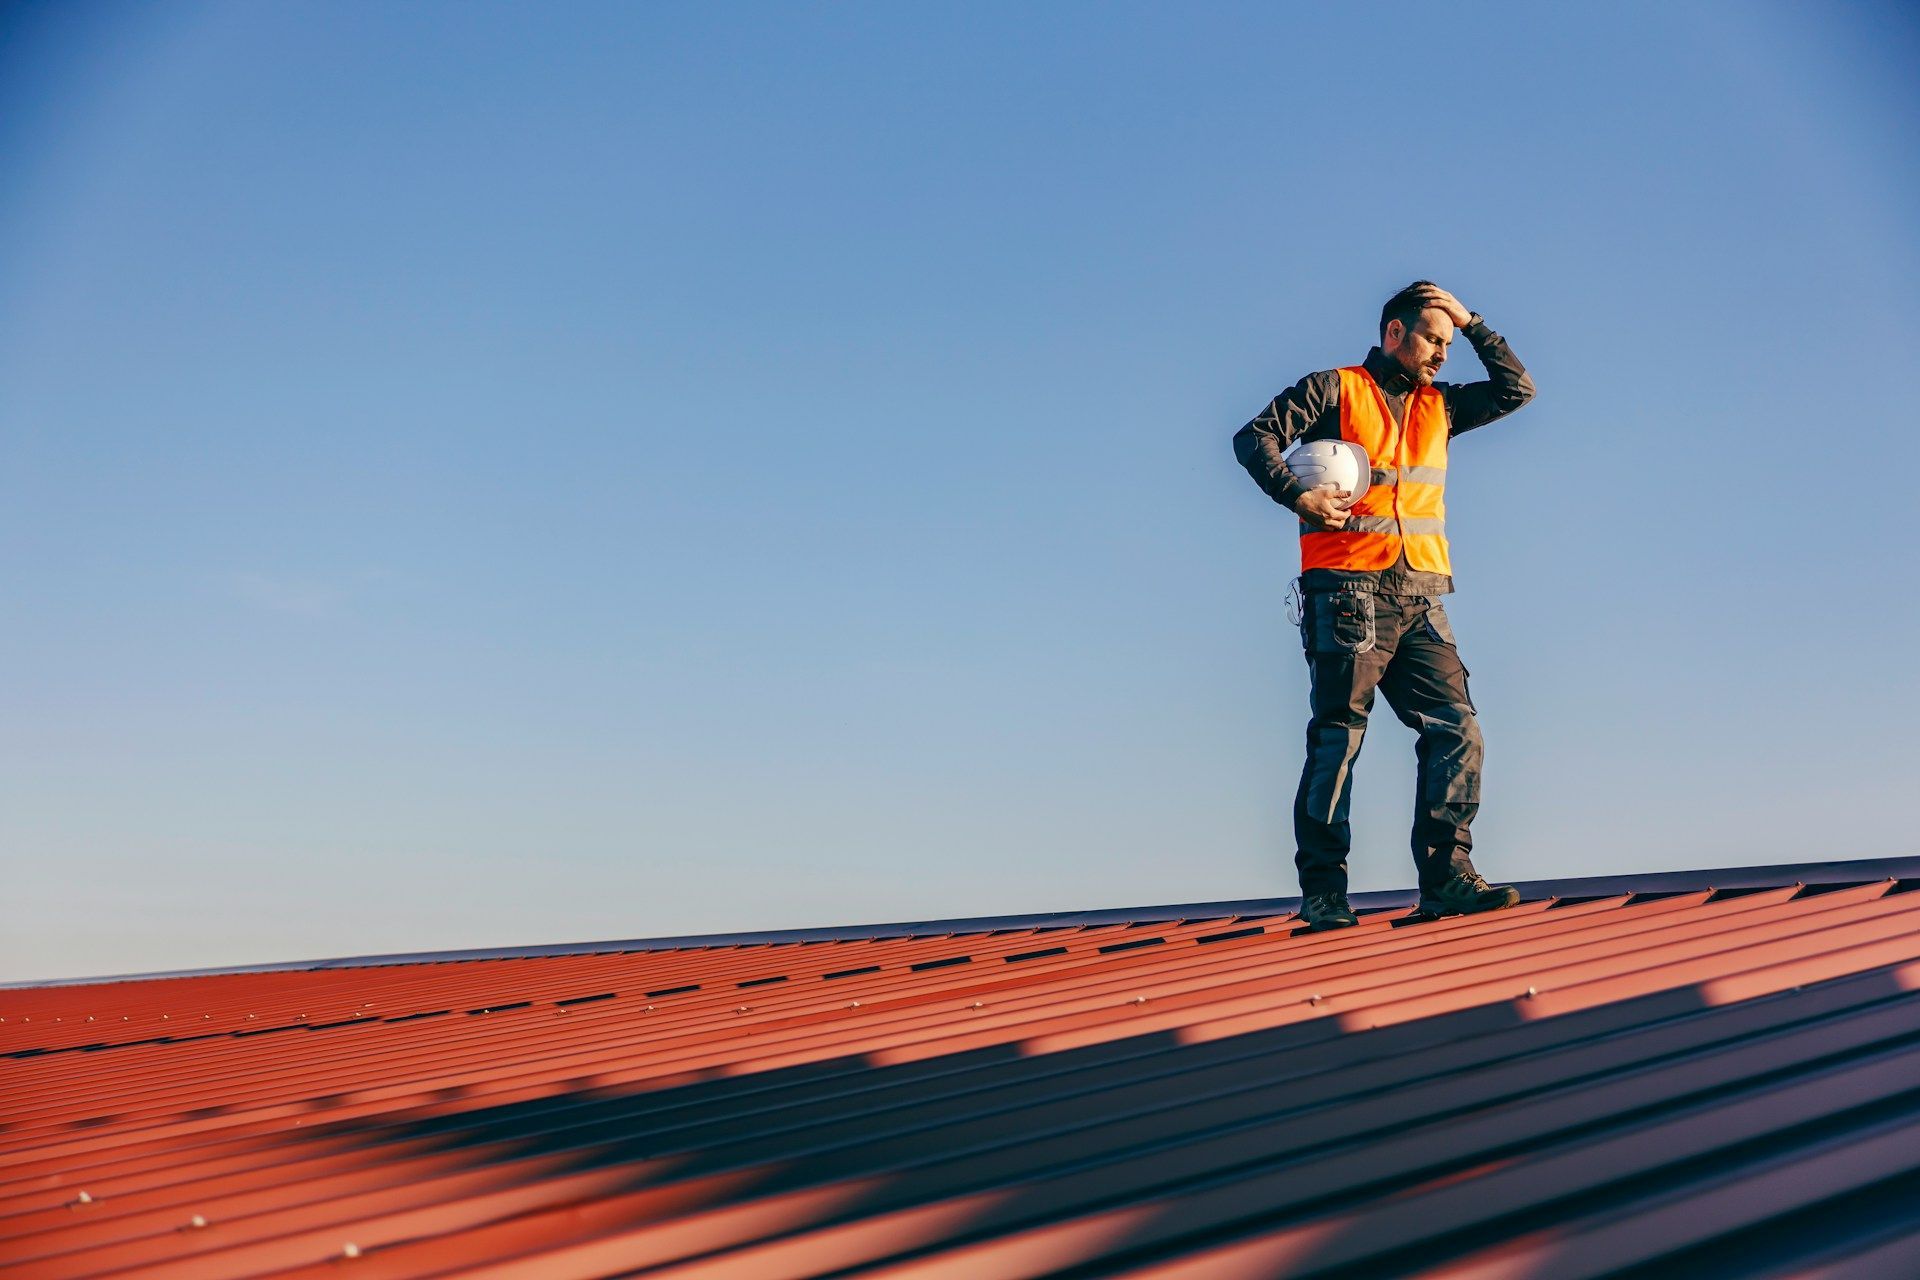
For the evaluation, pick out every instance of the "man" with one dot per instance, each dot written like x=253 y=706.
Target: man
x=1372 y=574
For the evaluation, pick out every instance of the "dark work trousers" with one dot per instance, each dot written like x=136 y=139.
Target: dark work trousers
x=1356 y=640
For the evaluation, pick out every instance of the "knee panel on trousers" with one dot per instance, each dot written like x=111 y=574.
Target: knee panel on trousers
x=1451 y=753
x=1328 y=783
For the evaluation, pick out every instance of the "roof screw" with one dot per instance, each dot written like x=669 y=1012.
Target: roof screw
x=1138 y=1000
x=77 y=1201
x=854 y=1005
x=1313 y=999
x=559 y=1013
x=89 y=1017
x=196 y=1222
x=349 y=1250
x=1531 y=993
x=976 y=1005
x=743 y=1009
x=648 y=1009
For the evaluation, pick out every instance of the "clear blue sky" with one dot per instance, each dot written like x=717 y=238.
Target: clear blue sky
x=481 y=474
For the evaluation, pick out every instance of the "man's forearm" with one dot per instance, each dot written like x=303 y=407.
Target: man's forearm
x=1507 y=387
x=1260 y=444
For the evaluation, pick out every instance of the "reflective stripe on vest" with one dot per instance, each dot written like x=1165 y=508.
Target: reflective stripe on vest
x=1386 y=524
x=1412 y=475
x=1403 y=509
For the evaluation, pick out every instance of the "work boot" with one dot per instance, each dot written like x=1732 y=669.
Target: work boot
x=1327 y=911
x=1468 y=893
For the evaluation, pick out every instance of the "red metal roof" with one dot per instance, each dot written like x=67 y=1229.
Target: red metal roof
x=1710 y=1074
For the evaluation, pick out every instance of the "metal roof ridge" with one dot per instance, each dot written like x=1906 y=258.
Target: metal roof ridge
x=1739 y=877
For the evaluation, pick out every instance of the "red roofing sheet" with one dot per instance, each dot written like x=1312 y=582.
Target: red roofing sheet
x=1711 y=1075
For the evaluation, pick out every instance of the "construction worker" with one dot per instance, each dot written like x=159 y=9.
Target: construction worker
x=1372 y=574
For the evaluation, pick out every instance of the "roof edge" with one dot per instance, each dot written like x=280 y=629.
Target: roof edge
x=1749 y=877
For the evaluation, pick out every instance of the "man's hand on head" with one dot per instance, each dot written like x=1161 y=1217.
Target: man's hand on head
x=1324 y=508
x=1434 y=296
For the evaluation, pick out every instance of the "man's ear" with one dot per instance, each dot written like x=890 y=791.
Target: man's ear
x=1396 y=330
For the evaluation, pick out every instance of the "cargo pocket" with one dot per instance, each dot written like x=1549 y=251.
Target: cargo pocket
x=1442 y=630
x=1340 y=622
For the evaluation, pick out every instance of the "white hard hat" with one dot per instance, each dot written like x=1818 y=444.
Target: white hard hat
x=1341 y=463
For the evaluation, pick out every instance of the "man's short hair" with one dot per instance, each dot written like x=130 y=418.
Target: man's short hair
x=1404 y=306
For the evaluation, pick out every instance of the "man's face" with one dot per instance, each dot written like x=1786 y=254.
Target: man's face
x=1422 y=349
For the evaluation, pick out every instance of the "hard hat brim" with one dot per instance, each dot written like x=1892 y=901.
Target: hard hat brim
x=1363 y=465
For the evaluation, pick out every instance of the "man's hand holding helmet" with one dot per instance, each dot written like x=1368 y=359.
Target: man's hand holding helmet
x=1324 y=507
x=1335 y=474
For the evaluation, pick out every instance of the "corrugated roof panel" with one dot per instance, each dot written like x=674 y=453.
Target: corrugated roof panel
x=1614 y=1078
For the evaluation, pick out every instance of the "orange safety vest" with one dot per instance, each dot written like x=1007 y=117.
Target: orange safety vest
x=1404 y=506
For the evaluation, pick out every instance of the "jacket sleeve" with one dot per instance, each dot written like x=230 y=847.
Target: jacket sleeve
x=1507 y=387
x=1291 y=414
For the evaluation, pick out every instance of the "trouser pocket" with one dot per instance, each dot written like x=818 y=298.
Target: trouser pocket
x=1339 y=622
x=1442 y=630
